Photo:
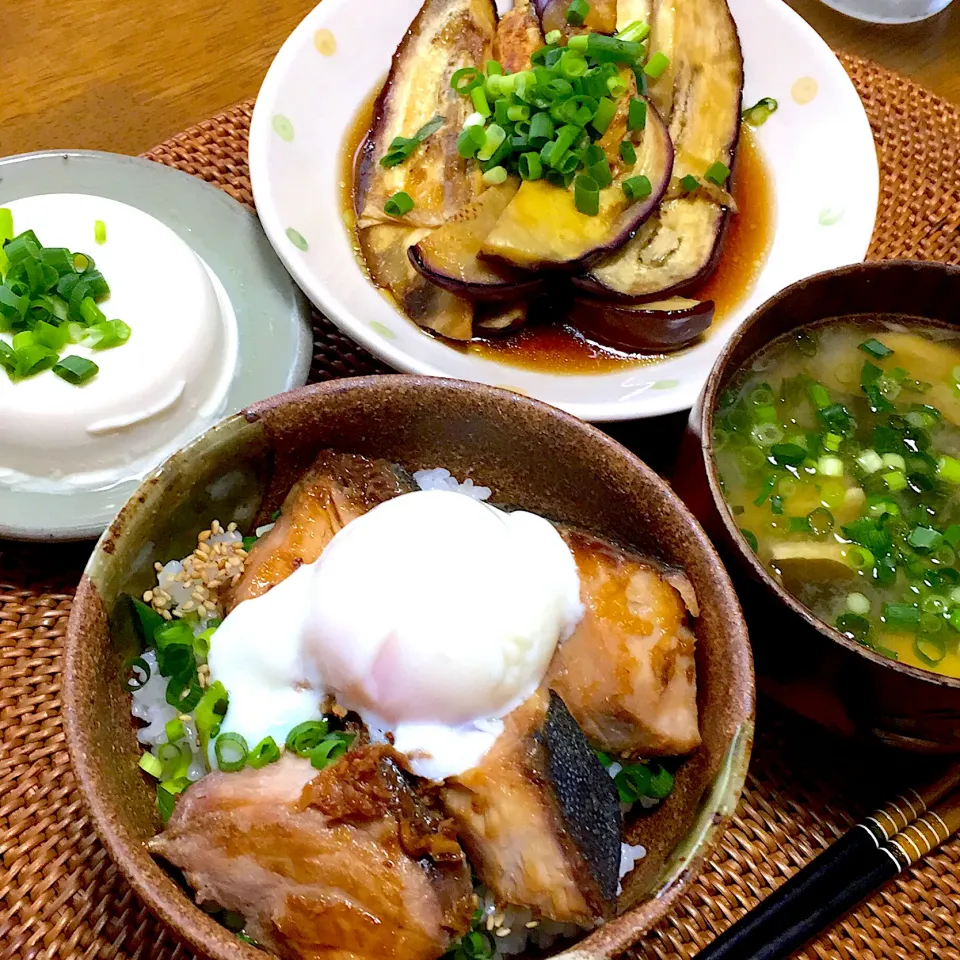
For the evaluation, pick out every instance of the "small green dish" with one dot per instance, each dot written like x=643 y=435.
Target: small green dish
x=273 y=320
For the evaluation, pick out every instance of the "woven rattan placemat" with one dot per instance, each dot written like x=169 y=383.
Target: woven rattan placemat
x=61 y=895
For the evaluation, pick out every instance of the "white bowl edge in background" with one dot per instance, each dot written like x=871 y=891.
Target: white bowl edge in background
x=821 y=154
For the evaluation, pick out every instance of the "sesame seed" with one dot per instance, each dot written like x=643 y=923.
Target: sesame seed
x=530 y=924
x=490 y=922
x=166 y=615
x=231 y=528
x=203 y=536
x=148 y=596
x=504 y=932
x=158 y=566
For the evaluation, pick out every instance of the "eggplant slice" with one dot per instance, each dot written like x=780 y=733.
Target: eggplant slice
x=449 y=257
x=658 y=327
x=518 y=37
x=353 y=862
x=542 y=228
x=540 y=817
x=497 y=319
x=701 y=93
x=386 y=252
x=602 y=17
x=445 y=36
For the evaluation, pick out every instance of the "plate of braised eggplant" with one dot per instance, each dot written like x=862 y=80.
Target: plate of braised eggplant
x=579 y=200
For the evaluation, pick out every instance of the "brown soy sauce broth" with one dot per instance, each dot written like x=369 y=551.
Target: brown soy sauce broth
x=814 y=563
x=557 y=347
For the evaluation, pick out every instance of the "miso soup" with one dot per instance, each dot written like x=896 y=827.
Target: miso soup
x=838 y=449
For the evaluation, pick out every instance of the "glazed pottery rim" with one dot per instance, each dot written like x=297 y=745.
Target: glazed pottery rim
x=705 y=414
x=716 y=806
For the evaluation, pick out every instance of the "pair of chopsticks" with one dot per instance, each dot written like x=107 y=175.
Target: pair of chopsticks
x=860 y=862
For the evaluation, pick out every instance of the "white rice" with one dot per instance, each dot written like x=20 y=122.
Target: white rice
x=440 y=479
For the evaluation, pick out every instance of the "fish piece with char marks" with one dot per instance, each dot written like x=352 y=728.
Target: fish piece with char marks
x=352 y=863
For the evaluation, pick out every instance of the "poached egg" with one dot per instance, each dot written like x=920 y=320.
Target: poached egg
x=432 y=616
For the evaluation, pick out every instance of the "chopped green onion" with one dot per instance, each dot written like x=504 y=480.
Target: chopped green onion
x=898 y=615
x=100 y=232
x=617 y=86
x=637 y=188
x=231 y=752
x=306 y=736
x=518 y=113
x=151 y=765
x=330 y=749
x=495 y=176
x=788 y=454
x=541 y=127
x=860 y=558
x=751 y=538
x=466 y=80
x=553 y=37
x=480 y=102
x=832 y=441
x=760 y=112
x=853 y=626
x=931 y=650
x=635 y=32
x=210 y=711
x=494 y=68
x=875 y=349
x=870 y=461
x=6 y=225
x=175 y=730
x=717 y=173
x=531 y=167
x=399 y=205
x=895 y=481
x=690 y=183
x=857 y=603
x=661 y=784
x=830 y=466
x=165 y=803
x=572 y=64
x=471 y=140
x=628 y=153
x=606 y=111
x=265 y=752
x=184 y=692
x=637 y=114
x=577 y=12
x=924 y=538
x=139 y=673
x=402 y=147
x=493 y=139
x=609 y=49
x=586 y=192
x=948 y=469
x=656 y=65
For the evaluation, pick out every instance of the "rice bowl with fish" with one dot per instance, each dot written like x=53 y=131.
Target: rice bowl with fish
x=477 y=742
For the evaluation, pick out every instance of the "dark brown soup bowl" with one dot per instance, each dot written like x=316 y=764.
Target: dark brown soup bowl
x=533 y=456
x=801 y=661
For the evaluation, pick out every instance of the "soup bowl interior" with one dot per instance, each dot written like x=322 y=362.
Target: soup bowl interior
x=902 y=705
x=532 y=456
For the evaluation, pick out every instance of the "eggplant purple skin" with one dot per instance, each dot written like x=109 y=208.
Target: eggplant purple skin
x=478 y=292
x=639 y=330
x=590 y=286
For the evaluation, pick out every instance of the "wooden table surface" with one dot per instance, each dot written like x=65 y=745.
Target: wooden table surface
x=122 y=75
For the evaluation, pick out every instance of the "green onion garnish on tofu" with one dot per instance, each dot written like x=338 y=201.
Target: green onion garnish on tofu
x=50 y=297
x=100 y=232
x=76 y=370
